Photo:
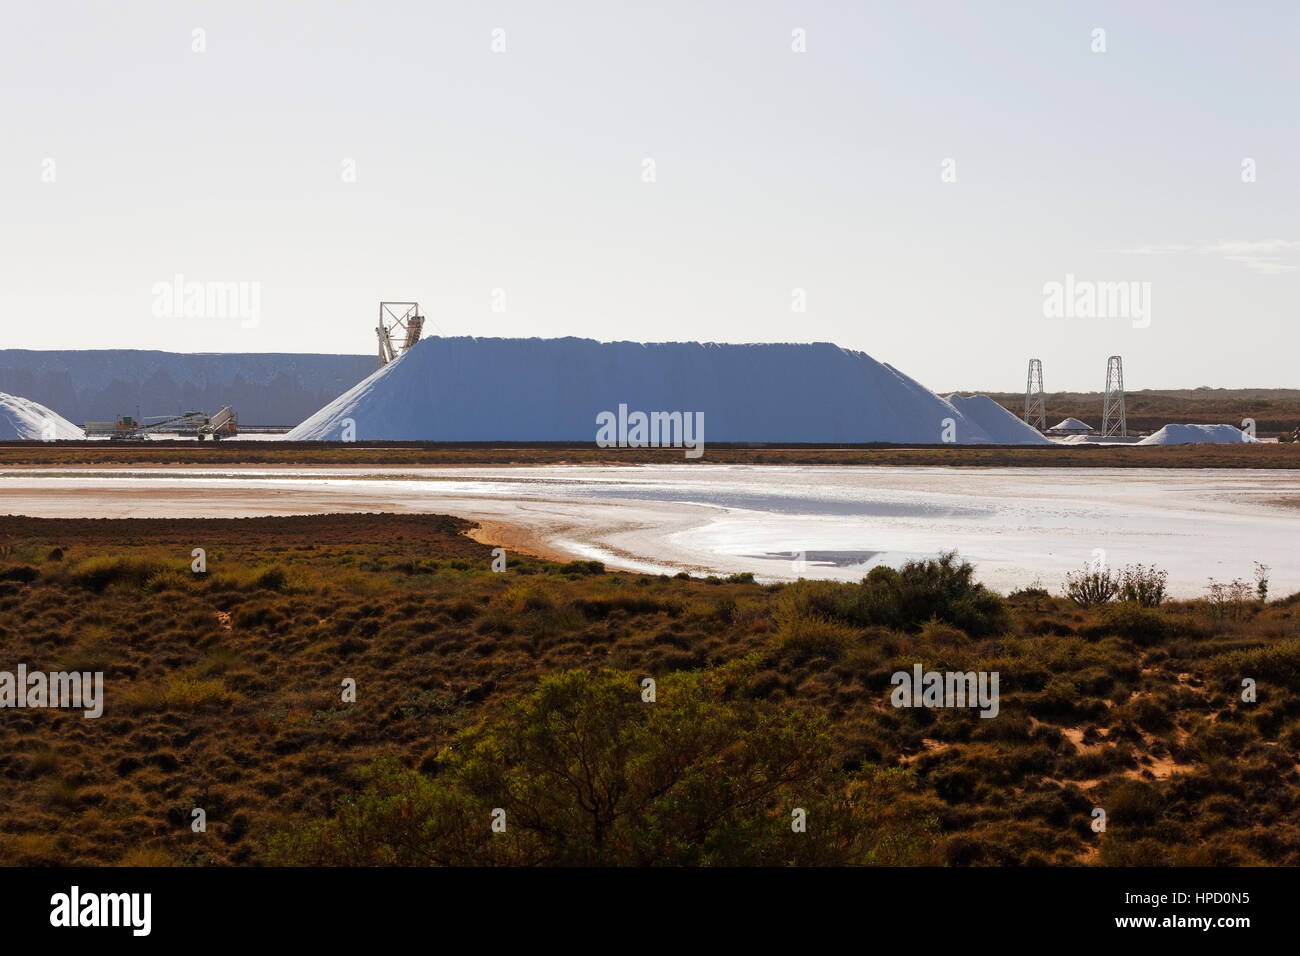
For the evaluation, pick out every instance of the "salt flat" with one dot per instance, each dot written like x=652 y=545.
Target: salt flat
x=1019 y=526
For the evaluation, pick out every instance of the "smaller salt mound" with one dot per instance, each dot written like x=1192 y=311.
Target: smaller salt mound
x=1071 y=425
x=1198 y=434
x=23 y=419
x=1000 y=425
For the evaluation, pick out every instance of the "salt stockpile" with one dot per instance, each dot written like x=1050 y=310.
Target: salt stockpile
x=1198 y=434
x=1071 y=425
x=1083 y=440
x=21 y=418
x=1000 y=425
x=273 y=388
x=481 y=389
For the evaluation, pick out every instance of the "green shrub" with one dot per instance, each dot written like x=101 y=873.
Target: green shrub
x=1154 y=715
x=937 y=632
x=587 y=773
x=940 y=589
x=102 y=571
x=580 y=568
x=272 y=579
x=182 y=693
x=1261 y=580
x=1091 y=586
x=945 y=589
x=1058 y=699
x=1220 y=739
x=528 y=597
x=169 y=579
x=1277 y=664
x=1143 y=585
x=806 y=637
x=1137 y=623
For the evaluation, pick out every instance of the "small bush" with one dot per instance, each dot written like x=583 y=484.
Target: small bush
x=1261 y=580
x=102 y=571
x=1277 y=664
x=1059 y=698
x=1132 y=802
x=808 y=637
x=1152 y=714
x=935 y=631
x=461 y=609
x=257 y=615
x=589 y=775
x=529 y=597
x=1143 y=585
x=944 y=588
x=169 y=579
x=1229 y=600
x=940 y=589
x=23 y=573
x=1138 y=623
x=187 y=694
x=1091 y=586
x=272 y=579
x=579 y=568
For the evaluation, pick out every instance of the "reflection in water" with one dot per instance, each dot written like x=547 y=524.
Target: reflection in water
x=1017 y=525
x=806 y=500
x=825 y=559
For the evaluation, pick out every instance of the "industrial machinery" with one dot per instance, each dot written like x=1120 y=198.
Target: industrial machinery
x=400 y=325
x=224 y=424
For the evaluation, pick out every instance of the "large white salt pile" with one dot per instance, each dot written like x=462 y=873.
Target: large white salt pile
x=1000 y=425
x=1198 y=434
x=21 y=418
x=479 y=389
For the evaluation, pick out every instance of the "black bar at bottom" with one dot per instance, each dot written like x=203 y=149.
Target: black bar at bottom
x=599 y=908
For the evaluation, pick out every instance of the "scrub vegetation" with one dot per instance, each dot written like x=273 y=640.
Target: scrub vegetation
x=524 y=692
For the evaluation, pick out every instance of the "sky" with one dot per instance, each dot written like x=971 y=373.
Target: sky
x=908 y=179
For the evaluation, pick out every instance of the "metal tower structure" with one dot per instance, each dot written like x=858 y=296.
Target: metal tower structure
x=1112 y=413
x=400 y=325
x=1035 y=410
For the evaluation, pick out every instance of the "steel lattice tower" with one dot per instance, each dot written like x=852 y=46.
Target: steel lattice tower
x=1035 y=410
x=1112 y=413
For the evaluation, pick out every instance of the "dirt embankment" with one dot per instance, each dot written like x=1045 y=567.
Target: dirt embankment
x=26 y=455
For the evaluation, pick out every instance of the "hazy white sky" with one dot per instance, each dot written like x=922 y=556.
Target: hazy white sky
x=775 y=170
